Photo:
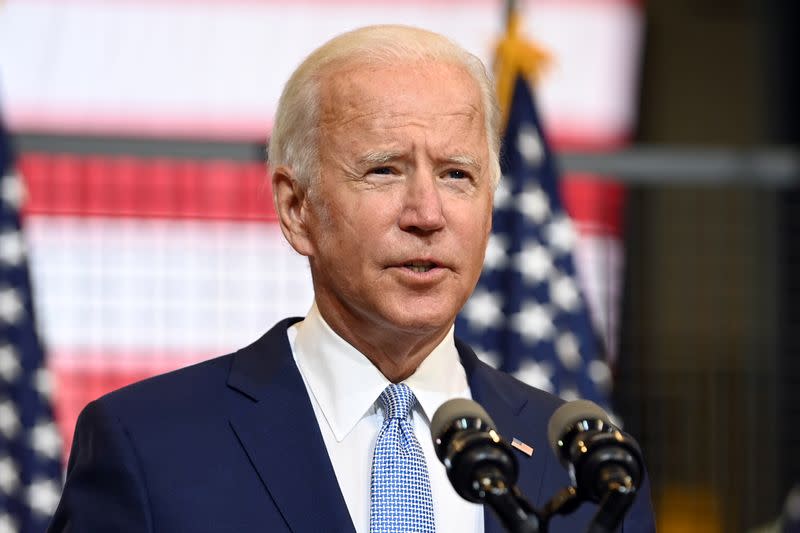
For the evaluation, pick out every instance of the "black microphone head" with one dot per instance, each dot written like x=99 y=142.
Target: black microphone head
x=456 y=409
x=596 y=453
x=569 y=414
x=465 y=440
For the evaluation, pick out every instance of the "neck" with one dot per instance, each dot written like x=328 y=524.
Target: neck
x=395 y=353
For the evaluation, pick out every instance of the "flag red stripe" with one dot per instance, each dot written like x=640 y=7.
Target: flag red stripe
x=596 y=206
x=60 y=184
x=122 y=186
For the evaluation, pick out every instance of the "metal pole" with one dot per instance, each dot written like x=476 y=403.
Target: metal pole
x=772 y=166
x=511 y=8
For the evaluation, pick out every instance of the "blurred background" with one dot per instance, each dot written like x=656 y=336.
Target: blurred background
x=137 y=130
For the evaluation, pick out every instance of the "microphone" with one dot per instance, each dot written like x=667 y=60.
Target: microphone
x=466 y=442
x=605 y=464
x=480 y=465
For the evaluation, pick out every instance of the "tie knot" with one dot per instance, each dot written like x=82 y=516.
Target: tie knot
x=397 y=400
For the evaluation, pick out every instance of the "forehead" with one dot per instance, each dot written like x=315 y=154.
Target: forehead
x=423 y=89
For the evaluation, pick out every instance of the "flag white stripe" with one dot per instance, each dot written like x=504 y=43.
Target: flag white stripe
x=217 y=68
x=162 y=286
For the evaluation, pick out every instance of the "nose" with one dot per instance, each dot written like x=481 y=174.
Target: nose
x=422 y=205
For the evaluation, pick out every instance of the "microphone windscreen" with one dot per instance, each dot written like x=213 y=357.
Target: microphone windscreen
x=452 y=410
x=568 y=414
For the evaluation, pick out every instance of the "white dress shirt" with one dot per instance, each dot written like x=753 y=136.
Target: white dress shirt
x=344 y=387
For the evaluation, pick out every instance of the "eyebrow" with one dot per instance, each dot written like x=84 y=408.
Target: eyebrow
x=465 y=160
x=383 y=157
x=379 y=158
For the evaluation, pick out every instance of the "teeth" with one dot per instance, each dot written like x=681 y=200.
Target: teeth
x=420 y=268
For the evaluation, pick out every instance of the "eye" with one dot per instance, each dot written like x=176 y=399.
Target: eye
x=382 y=170
x=457 y=174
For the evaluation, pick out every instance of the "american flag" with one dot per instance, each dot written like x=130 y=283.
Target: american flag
x=528 y=315
x=30 y=445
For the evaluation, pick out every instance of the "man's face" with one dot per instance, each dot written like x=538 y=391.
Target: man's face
x=398 y=221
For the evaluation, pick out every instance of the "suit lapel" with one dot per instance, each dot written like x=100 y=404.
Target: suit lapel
x=280 y=434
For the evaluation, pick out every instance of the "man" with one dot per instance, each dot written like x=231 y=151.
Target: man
x=384 y=158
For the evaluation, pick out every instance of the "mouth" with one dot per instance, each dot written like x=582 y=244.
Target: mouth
x=420 y=266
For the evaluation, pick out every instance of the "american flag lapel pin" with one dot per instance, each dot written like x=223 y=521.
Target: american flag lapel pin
x=521 y=446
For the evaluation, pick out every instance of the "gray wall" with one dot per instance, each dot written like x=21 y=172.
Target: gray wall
x=702 y=345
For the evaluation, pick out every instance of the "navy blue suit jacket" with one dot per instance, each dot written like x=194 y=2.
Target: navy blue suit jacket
x=232 y=445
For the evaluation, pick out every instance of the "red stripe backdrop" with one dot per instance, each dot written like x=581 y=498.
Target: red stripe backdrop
x=151 y=188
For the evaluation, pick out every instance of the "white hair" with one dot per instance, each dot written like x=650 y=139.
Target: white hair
x=294 y=142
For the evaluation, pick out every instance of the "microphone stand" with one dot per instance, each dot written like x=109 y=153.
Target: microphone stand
x=507 y=502
x=518 y=516
x=615 y=502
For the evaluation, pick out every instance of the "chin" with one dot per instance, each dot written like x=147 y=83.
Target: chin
x=421 y=320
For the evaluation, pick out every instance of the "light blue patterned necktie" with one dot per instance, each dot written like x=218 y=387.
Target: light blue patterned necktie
x=401 y=499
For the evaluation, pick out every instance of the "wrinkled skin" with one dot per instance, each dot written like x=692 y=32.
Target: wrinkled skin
x=396 y=226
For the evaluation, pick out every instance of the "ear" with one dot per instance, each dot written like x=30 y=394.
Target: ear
x=290 y=204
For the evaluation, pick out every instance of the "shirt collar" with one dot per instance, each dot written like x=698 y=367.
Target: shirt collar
x=346 y=384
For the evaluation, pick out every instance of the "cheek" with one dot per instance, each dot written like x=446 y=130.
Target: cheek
x=475 y=223
x=345 y=239
x=366 y=217
x=475 y=237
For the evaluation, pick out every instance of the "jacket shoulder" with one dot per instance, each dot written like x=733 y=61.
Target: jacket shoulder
x=197 y=390
x=514 y=391
x=193 y=384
